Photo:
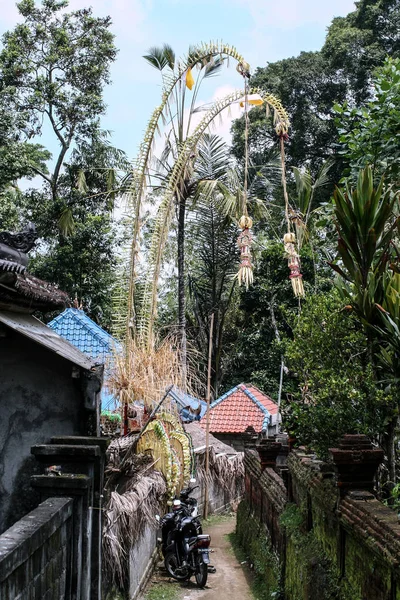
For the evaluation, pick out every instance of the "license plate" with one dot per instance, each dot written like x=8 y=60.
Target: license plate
x=206 y=558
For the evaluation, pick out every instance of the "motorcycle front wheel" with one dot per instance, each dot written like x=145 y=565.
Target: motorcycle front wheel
x=171 y=564
x=201 y=574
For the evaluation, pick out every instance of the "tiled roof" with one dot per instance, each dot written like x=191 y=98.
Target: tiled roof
x=37 y=331
x=243 y=406
x=185 y=400
x=76 y=327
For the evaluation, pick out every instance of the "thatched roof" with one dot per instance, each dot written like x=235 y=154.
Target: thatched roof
x=198 y=435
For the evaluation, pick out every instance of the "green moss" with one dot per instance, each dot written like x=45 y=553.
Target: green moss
x=250 y=541
x=310 y=572
x=163 y=591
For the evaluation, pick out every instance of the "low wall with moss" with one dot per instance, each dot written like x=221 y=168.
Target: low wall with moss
x=307 y=543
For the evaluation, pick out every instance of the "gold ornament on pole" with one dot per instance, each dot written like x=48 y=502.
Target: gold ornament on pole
x=245 y=239
x=289 y=239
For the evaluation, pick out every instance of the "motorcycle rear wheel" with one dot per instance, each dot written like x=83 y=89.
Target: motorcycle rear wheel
x=171 y=564
x=201 y=574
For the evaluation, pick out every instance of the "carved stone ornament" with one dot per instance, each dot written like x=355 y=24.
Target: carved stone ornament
x=22 y=241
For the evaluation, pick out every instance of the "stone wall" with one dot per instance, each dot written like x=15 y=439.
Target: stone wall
x=35 y=554
x=39 y=398
x=318 y=540
x=54 y=552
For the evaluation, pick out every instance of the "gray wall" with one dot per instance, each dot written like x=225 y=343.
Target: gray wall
x=35 y=554
x=141 y=561
x=38 y=399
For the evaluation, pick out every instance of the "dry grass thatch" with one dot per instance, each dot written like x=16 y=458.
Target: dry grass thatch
x=142 y=373
x=135 y=499
x=227 y=471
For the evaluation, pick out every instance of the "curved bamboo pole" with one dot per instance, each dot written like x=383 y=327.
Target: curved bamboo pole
x=202 y=53
x=163 y=219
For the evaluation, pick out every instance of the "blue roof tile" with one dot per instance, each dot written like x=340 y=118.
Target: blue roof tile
x=76 y=327
x=83 y=333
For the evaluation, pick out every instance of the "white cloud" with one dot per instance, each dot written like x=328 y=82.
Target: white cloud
x=289 y=14
x=128 y=16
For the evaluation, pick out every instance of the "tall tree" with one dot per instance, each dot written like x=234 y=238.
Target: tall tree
x=308 y=85
x=84 y=262
x=369 y=133
x=53 y=68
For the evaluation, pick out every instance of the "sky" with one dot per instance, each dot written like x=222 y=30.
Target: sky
x=262 y=31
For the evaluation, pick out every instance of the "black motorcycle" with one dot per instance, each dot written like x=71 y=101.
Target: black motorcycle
x=185 y=548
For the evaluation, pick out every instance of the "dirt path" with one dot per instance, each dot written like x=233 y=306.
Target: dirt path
x=230 y=582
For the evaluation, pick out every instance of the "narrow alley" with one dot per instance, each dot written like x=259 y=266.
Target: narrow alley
x=230 y=582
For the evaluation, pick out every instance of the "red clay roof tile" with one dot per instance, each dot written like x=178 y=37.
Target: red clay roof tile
x=237 y=410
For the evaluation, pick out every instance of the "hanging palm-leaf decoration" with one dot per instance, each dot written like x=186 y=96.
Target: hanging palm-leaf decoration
x=289 y=239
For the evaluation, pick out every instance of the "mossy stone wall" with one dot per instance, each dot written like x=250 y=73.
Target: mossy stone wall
x=320 y=546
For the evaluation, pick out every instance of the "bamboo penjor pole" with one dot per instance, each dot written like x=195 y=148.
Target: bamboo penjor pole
x=210 y=344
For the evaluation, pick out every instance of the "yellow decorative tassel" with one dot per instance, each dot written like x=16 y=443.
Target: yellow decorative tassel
x=245 y=239
x=189 y=79
x=289 y=240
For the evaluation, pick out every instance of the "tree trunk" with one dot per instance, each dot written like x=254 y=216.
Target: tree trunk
x=181 y=282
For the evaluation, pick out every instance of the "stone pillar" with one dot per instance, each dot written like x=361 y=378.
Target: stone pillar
x=99 y=461
x=268 y=450
x=83 y=456
x=79 y=488
x=356 y=461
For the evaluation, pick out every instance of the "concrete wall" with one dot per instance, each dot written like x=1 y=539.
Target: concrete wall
x=38 y=399
x=35 y=554
x=141 y=561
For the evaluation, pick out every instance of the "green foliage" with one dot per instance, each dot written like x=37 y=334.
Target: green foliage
x=337 y=390
x=370 y=134
x=84 y=262
x=55 y=65
x=163 y=591
x=53 y=69
x=368 y=247
x=358 y=43
x=17 y=157
x=251 y=541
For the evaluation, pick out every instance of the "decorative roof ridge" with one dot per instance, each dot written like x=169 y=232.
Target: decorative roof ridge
x=224 y=396
x=263 y=409
x=258 y=390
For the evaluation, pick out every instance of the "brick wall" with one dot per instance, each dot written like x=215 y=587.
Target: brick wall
x=35 y=553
